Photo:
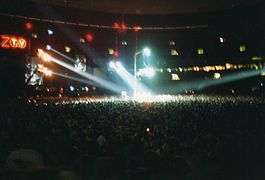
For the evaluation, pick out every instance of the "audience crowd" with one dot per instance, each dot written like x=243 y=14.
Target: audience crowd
x=198 y=138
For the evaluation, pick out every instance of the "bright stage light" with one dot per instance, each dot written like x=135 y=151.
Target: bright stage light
x=217 y=76
x=45 y=70
x=43 y=55
x=175 y=77
x=150 y=72
x=118 y=64
x=146 y=72
x=99 y=81
x=128 y=78
x=146 y=52
x=72 y=88
x=50 y=32
x=48 y=47
x=112 y=65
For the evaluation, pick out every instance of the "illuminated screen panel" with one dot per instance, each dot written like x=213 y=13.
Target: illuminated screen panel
x=13 y=42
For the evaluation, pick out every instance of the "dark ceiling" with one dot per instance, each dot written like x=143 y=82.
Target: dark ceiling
x=151 y=6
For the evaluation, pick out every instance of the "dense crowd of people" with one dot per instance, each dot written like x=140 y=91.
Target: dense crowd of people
x=197 y=138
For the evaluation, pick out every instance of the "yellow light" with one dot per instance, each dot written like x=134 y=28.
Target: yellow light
x=242 y=48
x=196 y=68
x=200 y=51
x=174 y=52
x=44 y=70
x=228 y=65
x=44 y=56
x=217 y=76
x=111 y=51
x=67 y=49
x=256 y=58
x=206 y=68
x=175 y=77
x=220 y=68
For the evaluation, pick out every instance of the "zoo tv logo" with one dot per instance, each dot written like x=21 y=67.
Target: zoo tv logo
x=13 y=42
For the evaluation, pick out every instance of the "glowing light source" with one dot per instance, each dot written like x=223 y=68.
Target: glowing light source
x=174 y=52
x=98 y=81
x=112 y=65
x=200 y=51
x=47 y=72
x=44 y=70
x=110 y=51
x=128 y=78
x=262 y=73
x=146 y=52
x=222 y=40
x=242 y=48
x=82 y=40
x=44 y=56
x=217 y=76
x=12 y=42
x=124 y=43
x=72 y=88
x=35 y=36
x=67 y=49
x=28 y=26
x=172 y=43
x=137 y=28
x=118 y=64
x=89 y=37
x=175 y=77
x=146 y=72
x=50 y=32
x=256 y=58
x=116 y=54
x=123 y=27
x=48 y=47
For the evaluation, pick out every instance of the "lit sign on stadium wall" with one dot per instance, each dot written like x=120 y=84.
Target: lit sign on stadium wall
x=13 y=42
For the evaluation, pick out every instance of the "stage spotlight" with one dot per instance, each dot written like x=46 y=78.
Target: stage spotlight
x=44 y=70
x=48 y=47
x=47 y=72
x=217 y=76
x=50 y=32
x=98 y=81
x=150 y=72
x=112 y=65
x=118 y=64
x=146 y=72
x=146 y=52
x=72 y=88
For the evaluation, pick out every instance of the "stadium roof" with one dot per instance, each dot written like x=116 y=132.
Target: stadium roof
x=151 y=6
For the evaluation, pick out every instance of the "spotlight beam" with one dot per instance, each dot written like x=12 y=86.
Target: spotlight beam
x=102 y=82
x=229 y=78
x=202 y=84
x=61 y=54
x=129 y=79
x=74 y=78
